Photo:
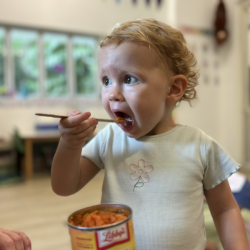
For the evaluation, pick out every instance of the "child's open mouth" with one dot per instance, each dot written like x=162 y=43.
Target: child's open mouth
x=126 y=117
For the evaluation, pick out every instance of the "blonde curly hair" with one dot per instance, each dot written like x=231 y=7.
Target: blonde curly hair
x=169 y=43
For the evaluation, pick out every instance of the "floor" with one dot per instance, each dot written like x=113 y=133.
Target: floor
x=32 y=207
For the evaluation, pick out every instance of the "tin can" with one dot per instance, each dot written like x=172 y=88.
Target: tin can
x=117 y=236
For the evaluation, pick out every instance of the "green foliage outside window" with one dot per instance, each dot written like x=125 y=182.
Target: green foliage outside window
x=2 y=64
x=84 y=63
x=55 y=57
x=24 y=46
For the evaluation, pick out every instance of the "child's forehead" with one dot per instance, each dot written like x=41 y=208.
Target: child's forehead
x=128 y=50
x=133 y=51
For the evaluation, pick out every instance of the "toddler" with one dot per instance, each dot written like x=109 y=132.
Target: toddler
x=158 y=168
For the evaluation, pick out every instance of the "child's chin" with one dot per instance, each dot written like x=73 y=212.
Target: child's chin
x=132 y=135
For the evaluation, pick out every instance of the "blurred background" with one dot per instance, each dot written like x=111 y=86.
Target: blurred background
x=48 y=65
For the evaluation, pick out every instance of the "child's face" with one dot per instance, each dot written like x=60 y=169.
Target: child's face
x=135 y=87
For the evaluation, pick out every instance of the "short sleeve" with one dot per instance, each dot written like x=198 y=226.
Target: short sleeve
x=94 y=149
x=219 y=165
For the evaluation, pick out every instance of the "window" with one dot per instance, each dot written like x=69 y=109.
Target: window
x=2 y=61
x=55 y=60
x=84 y=64
x=47 y=64
x=24 y=50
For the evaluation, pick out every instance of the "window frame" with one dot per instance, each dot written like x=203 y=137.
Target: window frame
x=9 y=81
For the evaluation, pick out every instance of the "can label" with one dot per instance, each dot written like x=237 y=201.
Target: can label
x=120 y=237
x=112 y=236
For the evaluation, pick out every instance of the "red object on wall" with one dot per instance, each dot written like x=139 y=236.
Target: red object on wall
x=220 y=33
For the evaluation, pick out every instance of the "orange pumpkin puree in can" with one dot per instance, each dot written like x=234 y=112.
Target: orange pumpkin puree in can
x=97 y=218
x=103 y=226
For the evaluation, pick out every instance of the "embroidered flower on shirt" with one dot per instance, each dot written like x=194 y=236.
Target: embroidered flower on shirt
x=140 y=173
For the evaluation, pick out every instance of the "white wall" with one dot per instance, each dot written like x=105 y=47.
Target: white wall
x=90 y=16
x=219 y=108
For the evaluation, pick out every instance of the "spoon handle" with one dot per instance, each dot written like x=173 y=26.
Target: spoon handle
x=65 y=116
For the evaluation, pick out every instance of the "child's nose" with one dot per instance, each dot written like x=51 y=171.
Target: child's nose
x=115 y=94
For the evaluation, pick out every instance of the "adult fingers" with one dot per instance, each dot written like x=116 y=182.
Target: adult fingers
x=26 y=240
x=6 y=243
x=11 y=241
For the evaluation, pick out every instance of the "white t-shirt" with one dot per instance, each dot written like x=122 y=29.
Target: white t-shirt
x=161 y=178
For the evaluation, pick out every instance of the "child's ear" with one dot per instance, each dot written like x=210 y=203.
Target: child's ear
x=177 y=89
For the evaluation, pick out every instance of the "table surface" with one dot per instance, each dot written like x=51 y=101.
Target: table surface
x=29 y=138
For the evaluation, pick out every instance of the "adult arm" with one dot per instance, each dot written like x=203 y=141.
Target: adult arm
x=227 y=217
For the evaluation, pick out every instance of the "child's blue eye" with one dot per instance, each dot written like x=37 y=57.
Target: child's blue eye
x=131 y=80
x=106 y=81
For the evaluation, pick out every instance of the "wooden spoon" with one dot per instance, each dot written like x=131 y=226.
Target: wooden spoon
x=118 y=119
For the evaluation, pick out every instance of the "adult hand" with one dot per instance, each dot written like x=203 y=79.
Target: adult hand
x=76 y=129
x=14 y=240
